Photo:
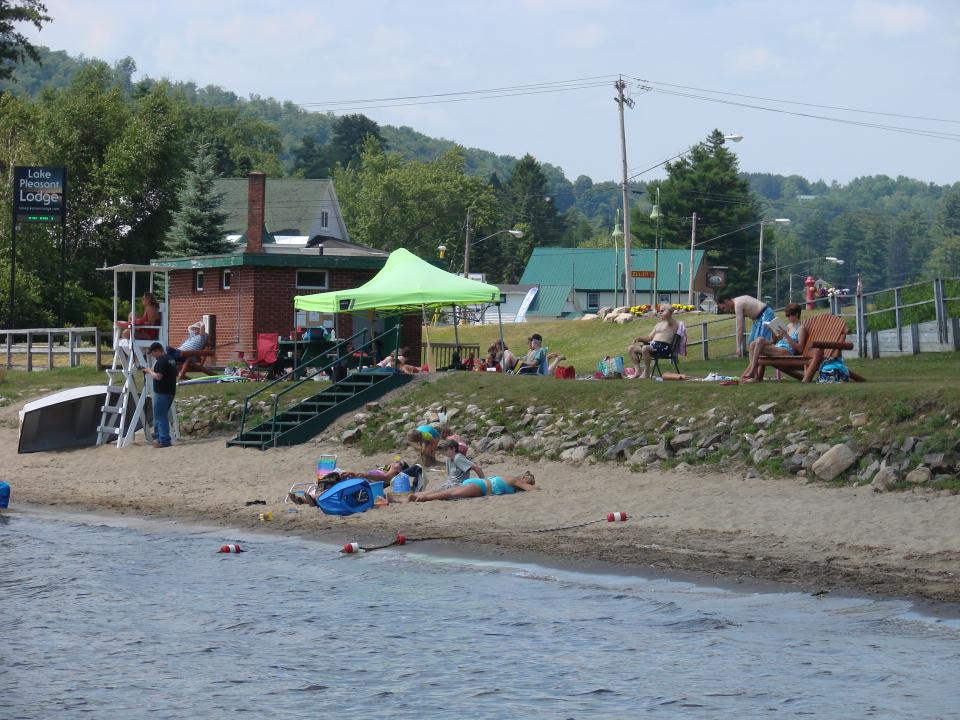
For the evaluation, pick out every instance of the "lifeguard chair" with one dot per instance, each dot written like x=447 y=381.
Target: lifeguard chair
x=124 y=410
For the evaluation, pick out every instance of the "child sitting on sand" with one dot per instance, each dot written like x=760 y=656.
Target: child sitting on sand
x=461 y=485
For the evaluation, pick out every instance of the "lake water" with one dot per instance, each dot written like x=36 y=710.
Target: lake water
x=105 y=618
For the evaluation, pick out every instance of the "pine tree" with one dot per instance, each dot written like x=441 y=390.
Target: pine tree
x=198 y=224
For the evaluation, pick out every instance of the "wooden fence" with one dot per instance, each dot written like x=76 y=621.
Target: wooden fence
x=50 y=342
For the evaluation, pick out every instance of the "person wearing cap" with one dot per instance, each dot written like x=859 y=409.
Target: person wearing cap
x=164 y=374
x=535 y=361
x=459 y=466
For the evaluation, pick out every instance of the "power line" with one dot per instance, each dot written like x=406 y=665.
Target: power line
x=604 y=78
x=806 y=104
x=937 y=135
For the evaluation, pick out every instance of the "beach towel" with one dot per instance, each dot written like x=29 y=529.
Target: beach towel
x=682 y=334
x=758 y=329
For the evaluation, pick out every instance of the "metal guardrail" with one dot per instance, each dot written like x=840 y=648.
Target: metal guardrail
x=858 y=310
x=53 y=341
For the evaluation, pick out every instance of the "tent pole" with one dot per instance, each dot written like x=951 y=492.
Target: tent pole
x=456 y=331
x=500 y=323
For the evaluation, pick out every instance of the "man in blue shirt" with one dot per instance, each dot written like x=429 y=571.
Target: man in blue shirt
x=164 y=374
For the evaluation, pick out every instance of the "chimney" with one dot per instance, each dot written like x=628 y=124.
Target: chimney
x=256 y=195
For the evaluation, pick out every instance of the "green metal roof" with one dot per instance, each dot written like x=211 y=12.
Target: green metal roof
x=594 y=269
x=353 y=262
x=550 y=300
x=290 y=204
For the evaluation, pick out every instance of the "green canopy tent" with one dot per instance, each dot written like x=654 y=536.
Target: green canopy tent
x=405 y=283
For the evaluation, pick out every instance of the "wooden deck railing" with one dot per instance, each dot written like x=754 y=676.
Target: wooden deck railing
x=50 y=342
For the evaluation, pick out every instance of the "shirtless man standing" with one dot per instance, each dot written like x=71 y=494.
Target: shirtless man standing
x=756 y=310
x=656 y=343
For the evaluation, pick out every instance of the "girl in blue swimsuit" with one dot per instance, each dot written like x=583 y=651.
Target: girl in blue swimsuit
x=481 y=487
x=787 y=344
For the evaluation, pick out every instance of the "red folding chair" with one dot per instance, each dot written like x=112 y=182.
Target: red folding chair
x=264 y=365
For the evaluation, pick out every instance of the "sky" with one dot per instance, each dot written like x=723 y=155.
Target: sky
x=898 y=57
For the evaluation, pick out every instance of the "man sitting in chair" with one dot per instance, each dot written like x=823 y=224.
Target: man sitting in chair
x=657 y=344
x=190 y=352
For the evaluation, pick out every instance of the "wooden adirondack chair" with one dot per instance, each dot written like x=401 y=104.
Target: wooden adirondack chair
x=825 y=339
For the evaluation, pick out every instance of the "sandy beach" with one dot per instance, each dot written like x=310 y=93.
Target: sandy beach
x=817 y=537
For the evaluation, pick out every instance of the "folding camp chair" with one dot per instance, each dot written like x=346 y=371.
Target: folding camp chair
x=264 y=365
x=673 y=357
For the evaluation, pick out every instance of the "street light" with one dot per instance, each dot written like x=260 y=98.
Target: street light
x=466 y=248
x=777 y=221
x=655 y=215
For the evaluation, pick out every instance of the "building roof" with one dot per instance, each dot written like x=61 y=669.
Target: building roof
x=594 y=269
x=550 y=300
x=292 y=206
x=292 y=259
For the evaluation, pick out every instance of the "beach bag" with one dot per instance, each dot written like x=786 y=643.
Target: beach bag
x=347 y=497
x=834 y=371
x=565 y=372
x=611 y=366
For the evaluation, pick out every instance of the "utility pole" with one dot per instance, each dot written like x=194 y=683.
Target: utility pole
x=466 y=248
x=693 y=242
x=628 y=298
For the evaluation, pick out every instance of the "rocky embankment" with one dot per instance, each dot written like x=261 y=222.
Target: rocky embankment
x=845 y=449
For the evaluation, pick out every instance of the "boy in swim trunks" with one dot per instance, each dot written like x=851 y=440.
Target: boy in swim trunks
x=656 y=344
x=757 y=310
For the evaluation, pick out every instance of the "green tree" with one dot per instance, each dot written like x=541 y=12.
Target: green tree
x=350 y=133
x=198 y=223
x=526 y=205
x=944 y=260
x=14 y=46
x=706 y=181
x=388 y=203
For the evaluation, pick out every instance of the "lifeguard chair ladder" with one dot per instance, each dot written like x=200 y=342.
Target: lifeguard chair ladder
x=124 y=410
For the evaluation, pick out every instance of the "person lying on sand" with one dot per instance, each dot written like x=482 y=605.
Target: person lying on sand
x=481 y=487
x=385 y=475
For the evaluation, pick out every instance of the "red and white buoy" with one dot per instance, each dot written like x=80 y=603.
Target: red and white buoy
x=401 y=539
x=351 y=548
x=234 y=548
x=616 y=517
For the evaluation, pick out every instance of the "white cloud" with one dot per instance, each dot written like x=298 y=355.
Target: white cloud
x=753 y=60
x=889 y=18
x=584 y=36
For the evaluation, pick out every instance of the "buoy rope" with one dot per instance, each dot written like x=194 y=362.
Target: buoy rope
x=403 y=540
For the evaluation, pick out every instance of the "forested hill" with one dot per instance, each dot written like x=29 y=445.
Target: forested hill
x=596 y=202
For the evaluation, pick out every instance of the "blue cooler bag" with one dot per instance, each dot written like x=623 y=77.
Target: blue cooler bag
x=347 y=497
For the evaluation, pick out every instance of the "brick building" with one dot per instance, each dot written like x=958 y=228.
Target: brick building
x=294 y=243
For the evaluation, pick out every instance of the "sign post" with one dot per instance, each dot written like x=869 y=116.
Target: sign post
x=39 y=196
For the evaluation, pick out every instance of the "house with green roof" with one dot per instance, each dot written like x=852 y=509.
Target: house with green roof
x=574 y=281
x=287 y=238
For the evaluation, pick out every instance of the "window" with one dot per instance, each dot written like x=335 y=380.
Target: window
x=324 y=218
x=665 y=298
x=593 y=301
x=226 y=279
x=312 y=279
x=198 y=281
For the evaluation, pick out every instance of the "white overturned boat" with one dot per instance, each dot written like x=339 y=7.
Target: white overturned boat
x=66 y=419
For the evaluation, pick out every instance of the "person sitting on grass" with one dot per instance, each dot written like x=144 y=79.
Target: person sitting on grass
x=402 y=363
x=481 y=487
x=788 y=343
x=503 y=359
x=657 y=344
